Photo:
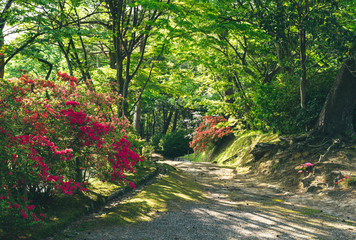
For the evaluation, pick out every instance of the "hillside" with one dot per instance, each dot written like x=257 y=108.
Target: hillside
x=276 y=158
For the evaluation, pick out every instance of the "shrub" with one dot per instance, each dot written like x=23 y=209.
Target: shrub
x=208 y=133
x=347 y=181
x=155 y=140
x=175 y=144
x=52 y=137
x=147 y=151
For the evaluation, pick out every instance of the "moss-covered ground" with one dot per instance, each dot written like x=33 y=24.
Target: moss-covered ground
x=161 y=196
x=233 y=151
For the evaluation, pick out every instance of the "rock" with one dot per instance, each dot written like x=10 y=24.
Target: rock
x=313 y=189
x=333 y=177
x=261 y=149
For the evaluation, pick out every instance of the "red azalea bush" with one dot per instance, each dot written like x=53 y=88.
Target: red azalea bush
x=208 y=133
x=53 y=136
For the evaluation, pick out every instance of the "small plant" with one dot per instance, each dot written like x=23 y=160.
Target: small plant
x=175 y=144
x=305 y=167
x=347 y=181
x=148 y=150
x=155 y=142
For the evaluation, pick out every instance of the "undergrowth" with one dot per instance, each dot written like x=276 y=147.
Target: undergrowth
x=63 y=210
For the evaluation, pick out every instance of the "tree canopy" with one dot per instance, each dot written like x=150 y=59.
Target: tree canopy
x=251 y=62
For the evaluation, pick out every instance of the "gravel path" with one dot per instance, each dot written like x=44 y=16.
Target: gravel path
x=238 y=207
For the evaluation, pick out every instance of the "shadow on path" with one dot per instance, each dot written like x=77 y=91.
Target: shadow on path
x=235 y=207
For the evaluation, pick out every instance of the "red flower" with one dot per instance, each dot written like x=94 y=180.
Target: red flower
x=24 y=215
x=31 y=207
x=132 y=185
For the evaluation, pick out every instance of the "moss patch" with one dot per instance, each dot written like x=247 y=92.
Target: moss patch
x=169 y=193
x=234 y=152
x=309 y=211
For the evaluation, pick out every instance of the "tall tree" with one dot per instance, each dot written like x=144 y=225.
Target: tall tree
x=336 y=117
x=132 y=24
x=5 y=14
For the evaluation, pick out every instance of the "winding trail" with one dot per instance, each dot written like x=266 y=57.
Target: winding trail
x=237 y=207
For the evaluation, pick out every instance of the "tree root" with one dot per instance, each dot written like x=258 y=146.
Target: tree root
x=335 y=143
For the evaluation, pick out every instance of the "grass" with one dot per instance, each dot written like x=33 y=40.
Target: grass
x=199 y=157
x=63 y=210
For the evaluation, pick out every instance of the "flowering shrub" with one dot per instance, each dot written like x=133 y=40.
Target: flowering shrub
x=208 y=133
x=305 y=167
x=347 y=180
x=52 y=137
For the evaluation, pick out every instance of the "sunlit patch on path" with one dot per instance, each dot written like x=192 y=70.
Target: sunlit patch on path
x=227 y=206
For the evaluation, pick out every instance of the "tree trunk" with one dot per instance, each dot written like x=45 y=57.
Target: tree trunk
x=229 y=91
x=167 y=122
x=175 y=120
x=3 y=18
x=303 y=58
x=2 y=60
x=336 y=117
x=303 y=10
x=154 y=123
x=112 y=58
x=137 y=119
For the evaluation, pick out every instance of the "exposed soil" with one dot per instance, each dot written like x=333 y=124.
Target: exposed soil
x=240 y=206
x=332 y=159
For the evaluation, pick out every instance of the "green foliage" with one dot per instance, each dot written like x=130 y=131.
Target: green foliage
x=275 y=105
x=148 y=150
x=155 y=141
x=175 y=144
x=233 y=59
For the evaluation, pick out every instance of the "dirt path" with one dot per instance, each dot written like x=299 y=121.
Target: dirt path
x=237 y=207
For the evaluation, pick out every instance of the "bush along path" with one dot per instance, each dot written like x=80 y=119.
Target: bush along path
x=204 y=201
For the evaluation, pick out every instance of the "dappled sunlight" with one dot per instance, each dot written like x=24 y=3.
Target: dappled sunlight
x=152 y=201
x=206 y=206
x=261 y=222
x=247 y=208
